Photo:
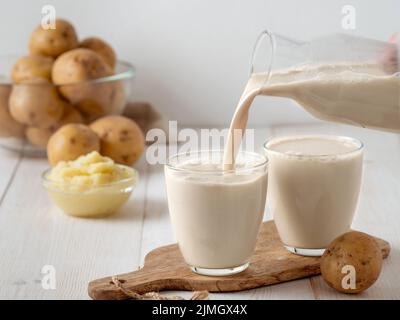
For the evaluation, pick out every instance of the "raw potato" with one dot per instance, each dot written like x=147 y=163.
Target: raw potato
x=53 y=42
x=96 y=99
x=33 y=66
x=8 y=126
x=102 y=48
x=352 y=249
x=79 y=65
x=73 y=69
x=40 y=136
x=70 y=115
x=36 y=103
x=121 y=139
x=71 y=141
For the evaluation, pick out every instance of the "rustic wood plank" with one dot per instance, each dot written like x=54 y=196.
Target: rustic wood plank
x=34 y=233
x=9 y=162
x=165 y=269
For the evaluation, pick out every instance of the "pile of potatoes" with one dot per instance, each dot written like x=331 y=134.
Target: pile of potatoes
x=54 y=104
x=114 y=136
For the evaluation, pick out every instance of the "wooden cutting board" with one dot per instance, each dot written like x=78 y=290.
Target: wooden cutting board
x=165 y=269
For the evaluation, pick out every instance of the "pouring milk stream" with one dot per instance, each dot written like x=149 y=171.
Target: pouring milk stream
x=338 y=78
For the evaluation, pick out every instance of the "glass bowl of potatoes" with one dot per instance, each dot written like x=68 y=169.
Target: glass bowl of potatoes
x=61 y=80
x=32 y=110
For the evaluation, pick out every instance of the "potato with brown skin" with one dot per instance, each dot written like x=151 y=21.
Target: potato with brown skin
x=40 y=136
x=33 y=66
x=71 y=141
x=53 y=42
x=79 y=65
x=102 y=48
x=354 y=249
x=121 y=139
x=97 y=99
x=115 y=95
x=73 y=69
x=70 y=115
x=35 y=102
x=8 y=126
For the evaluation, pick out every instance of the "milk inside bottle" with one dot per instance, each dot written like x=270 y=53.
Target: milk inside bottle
x=337 y=78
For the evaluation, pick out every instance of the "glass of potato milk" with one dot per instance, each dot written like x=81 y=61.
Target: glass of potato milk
x=314 y=183
x=215 y=213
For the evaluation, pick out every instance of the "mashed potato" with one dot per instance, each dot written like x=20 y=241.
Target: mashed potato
x=88 y=171
x=90 y=186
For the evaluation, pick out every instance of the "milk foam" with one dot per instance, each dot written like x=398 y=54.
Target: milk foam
x=314 y=146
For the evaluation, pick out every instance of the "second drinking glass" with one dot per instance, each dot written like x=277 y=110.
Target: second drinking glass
x=314 y=182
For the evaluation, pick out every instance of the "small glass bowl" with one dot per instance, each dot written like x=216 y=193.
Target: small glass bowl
x=94 y=98
x=90 y=201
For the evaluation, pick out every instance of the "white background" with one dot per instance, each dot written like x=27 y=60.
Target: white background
x=192 y=56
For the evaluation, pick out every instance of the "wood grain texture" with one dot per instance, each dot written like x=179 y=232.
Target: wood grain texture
x=165 y=269
x=9 y=163
x=34 y=233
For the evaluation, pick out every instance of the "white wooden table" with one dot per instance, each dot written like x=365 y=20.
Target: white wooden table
x=34 y=233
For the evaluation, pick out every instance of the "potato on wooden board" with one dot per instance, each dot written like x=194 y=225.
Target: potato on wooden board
x=121 y=139
x=71 y=141
x=102 y=48
x=32 y=66
x=40 y=136
x=352 y=251
x=8 y=126
x=53 y=42
x=35 y=102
